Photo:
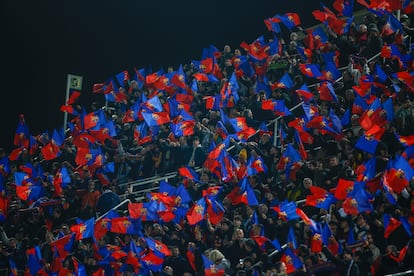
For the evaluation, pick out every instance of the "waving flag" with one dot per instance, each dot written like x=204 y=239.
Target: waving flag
x=183 y=128
x=286 y=210
x=344 y=7
x=63 y=246
x=275 y=46
x=272 y=26
x=205 y=77
x=153 y=104
x=391 y=26
x=343 y=188
x=406 y=141
x=229 y=92
x=291 y=238
x=284 y=82
x=330 y=73
x=125 y=225
x=210 y=269
x=390 y=224
x=407 y=226
x=156 y=118
x=189 y=173
x=29 y=192
x=84 y=229
x=327 y=92
x=248 y=197
x=290 y=20
x=34 y=261
x=316 y=243
x=151 y=262
x=320 y=198
x=61 y=180
x=146 y=211
x=304 y=93
x=22 y=134
x=158 y=247
x=261 y=241
x=291 y=261
x=289 y=157
x=13 y=267
x=398 y=175
x=277 y=106
x=213 y=102
x=196 y=212
x=310 y=70
x=367 y=170
x=256 y=165
x=367 y=144
x=358 y=201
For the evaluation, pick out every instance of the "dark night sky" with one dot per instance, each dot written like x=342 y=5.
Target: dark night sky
x=46 y=40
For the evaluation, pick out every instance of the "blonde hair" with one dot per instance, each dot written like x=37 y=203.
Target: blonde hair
x=215 y=255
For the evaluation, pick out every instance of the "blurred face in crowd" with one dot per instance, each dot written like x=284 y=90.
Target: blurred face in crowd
x=175 y=251
x=263 y=209
x=237 y=222
x=238 y=234
x=333 y=161
x=183 y=141
x=91 y=186
x=307 y=183
x=347 y=256
x=204 y=178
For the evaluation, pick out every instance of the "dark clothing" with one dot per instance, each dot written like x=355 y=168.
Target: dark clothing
x=198 y=155
x=343 y=267
x=388 y=266
x=179 y=264
x=182 y=156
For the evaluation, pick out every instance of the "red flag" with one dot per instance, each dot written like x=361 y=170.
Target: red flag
x=101 y=228
x=395 y=180
x=84 y=229
x=316 y=243
x=390 y=225
x=191 y=258
x=21 y=136
x=63 y=246
x=350 y=206
x=50 y=151
x=73 y=97
x=261 y=241
x=305 y=218
x=343 y=188
x=196 y=212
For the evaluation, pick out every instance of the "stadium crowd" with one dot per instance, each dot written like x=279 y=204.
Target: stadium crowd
x=294 y=155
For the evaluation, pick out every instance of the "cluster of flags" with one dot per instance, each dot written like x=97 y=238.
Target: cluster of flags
x=170 y=101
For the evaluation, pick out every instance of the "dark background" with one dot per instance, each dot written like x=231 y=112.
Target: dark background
x=43 y=41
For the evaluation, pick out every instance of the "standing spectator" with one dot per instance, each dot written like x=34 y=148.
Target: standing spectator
x=177 y=261
x=345 y=265
x=374 y=42
x=389 y=264
x=89 y=199
x=335 y=169
x=183 y=152
x=198 y=155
